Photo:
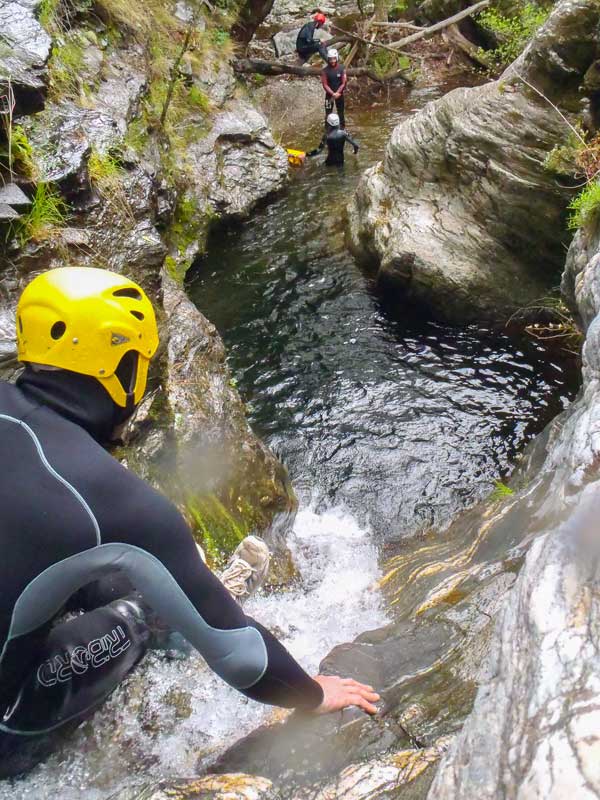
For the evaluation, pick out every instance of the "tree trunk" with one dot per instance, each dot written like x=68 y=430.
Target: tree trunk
x=252 y=14
x=381 y=10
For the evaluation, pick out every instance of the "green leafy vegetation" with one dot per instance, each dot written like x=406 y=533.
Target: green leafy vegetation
x=47 y=213
x=16 y=153
x=579 y=158
x=585 y=206
x=511 y=31
x=500 y=492
x=383 y=62
x=66 y=65
x=397 y=8
x=137 y=135
x=47 y=13
x=563 y=159
x=198 y=99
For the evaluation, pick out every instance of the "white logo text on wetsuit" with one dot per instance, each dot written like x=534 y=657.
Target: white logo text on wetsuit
x=61 y=668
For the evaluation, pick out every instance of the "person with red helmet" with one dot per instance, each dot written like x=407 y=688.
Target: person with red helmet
x=306 y=44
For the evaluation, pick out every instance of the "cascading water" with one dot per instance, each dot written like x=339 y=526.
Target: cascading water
x=388 y=424
x=173 y=716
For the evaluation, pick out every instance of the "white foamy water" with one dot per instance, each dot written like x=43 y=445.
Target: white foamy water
x=170 y=714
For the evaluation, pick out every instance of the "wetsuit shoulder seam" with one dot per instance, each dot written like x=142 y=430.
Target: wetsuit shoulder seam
x=40 y=450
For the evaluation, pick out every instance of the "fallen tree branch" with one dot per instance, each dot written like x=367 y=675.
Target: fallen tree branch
x=371 y=43
x=258 y=66
x=454 y=37
x=467 y=12
x=396 y=25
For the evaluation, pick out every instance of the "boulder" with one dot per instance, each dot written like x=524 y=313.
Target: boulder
x=461 y=215
x=535 y=728
x=24 y=53
x=285 y=12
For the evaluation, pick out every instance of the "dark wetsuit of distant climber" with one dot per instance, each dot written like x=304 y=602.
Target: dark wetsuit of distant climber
x=306 y=44
x=334 y=139
x=333 y=80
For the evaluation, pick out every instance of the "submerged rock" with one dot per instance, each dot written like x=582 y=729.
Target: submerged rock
x=462 y=215
x=211 y=787
x=383 y=778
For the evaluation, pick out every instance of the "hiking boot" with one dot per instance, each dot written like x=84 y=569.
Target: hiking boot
x=247 y=568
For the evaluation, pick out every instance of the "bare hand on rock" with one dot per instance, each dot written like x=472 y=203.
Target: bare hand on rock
x=339 y=693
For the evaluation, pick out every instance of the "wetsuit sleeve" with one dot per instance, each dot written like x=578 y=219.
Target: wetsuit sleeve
x=318 y=149
x=326 y=86
x=344 y=80
x=163 y=563
x=351 y=141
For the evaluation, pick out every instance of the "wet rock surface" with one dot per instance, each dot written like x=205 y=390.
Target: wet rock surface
x=24 y=52
x=443 y=215
x=211 y=787
x=285 y=12
x=130 y=223
x=535 y=728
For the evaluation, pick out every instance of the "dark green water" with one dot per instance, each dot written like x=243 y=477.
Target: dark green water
x=399 y=419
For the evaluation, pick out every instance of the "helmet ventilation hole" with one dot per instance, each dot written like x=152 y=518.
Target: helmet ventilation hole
x=138 y=315
x=128 y=292
x=57 y=331
x=20 y=325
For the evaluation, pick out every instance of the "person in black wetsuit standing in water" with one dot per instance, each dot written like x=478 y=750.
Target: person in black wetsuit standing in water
x=333 y=80
x=335 y=139
x=306 y=44
x=81 y=532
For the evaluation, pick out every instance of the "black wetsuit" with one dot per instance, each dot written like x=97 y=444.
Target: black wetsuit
x=70 y=515
x=335 y=139
x=334 y=77
x=306 y=44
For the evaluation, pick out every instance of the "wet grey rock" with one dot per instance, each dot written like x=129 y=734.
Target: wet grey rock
x=289 y=105
x=24 y=52
x=7 y=213
x=211 y=787
x=461 y=215
x=231 y=168
x=285 y=12
x=284 y=42
x=392 y=776
x=12 y=195
x=64 y=134
x=535 y=728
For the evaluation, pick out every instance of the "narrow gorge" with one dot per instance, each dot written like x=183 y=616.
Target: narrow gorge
x=389 y=371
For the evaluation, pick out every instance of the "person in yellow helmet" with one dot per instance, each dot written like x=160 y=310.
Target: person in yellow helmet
x=81 y=532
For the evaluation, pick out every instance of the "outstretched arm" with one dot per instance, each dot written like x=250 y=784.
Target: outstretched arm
x=164 y=565
x=318 y=149
x=352 y=142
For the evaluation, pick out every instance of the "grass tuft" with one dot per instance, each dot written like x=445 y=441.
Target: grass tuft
x=585 y=206
x=500 y=492
x=48 y=212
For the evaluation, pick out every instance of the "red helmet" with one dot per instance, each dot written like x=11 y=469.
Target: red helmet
x=321 y=19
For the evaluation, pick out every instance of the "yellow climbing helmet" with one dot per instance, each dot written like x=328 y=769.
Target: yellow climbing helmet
x=86 y=320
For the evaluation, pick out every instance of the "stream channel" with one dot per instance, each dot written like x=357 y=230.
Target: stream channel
x=388 y=423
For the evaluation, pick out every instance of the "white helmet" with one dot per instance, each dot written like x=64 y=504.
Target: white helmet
x=333 y=120
x=332 y=53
